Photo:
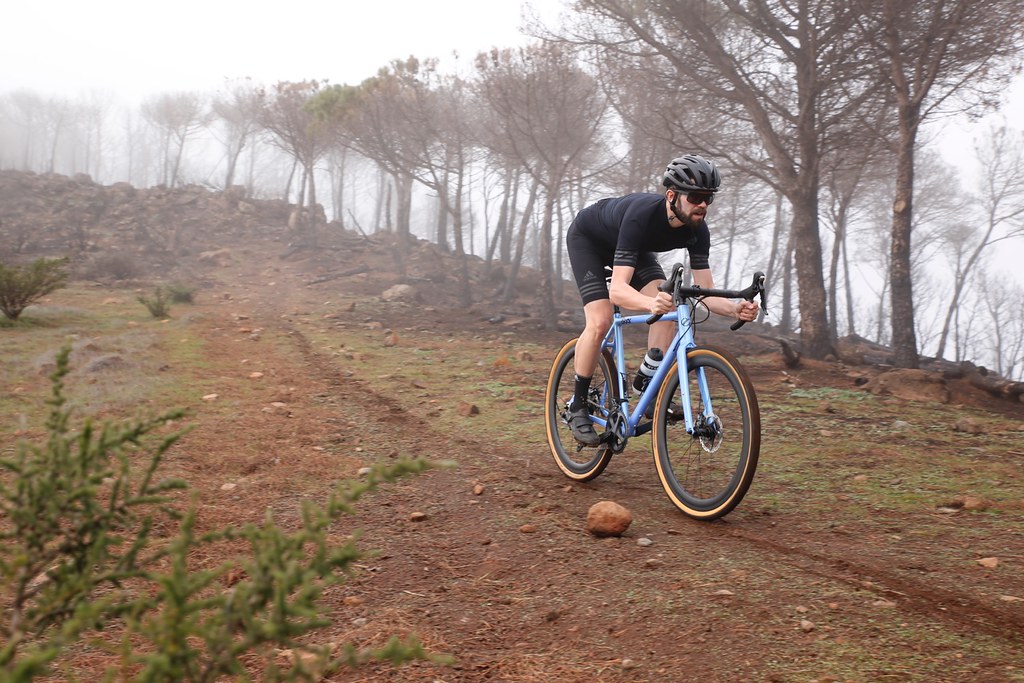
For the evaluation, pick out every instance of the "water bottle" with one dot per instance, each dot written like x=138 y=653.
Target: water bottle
x=647 y=369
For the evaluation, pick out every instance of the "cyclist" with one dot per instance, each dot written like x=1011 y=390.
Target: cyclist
x=624 y=233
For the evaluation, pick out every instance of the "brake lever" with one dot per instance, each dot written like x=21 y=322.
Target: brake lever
x=666 y=287
x=756 y=289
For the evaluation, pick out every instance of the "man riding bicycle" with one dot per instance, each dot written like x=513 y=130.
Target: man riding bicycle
x=625 y=233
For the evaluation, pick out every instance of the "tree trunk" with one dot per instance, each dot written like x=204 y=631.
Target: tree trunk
x=904 y=335
x=441 y=225
x=786 y=319
x=403 y=208
x=513 y=273
x=465 y=290
x=838 y=244
x=850 y=322
x=773 y=257
x=547 y=298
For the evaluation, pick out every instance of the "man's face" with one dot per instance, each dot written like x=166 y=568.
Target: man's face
x=692 y=206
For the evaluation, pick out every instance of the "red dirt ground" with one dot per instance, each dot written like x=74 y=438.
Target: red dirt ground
x=501 y=572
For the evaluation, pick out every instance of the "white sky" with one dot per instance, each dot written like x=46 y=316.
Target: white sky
x=134 y=48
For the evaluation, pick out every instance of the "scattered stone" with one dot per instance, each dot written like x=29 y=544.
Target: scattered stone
x=969 y=425
x=652 y=563
x=478 y=490
x=989 y=562
x=644 y=542
x=467 y=409
x=628 y=664
x=364 y=471
x=110 y=361
x=608 y=518
x=806 y=625
x=210 y=397
x=255 y=375
x=418 y=517
x=900 y=425
x=975 y=504
x=528 y=529
x=401 y=292
x=1010 y=598
x=228 y=486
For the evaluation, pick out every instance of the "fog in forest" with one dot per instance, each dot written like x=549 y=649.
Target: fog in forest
x=489 y=152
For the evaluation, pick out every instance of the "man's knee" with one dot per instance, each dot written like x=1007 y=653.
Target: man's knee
x=599 y=322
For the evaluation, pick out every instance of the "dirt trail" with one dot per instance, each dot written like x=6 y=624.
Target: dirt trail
x=507 y=580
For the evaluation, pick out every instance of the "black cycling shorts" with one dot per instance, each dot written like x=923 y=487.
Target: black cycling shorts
x=588 y=267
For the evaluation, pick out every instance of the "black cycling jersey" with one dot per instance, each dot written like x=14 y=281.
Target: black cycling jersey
x=627 y=231
x=635 y=223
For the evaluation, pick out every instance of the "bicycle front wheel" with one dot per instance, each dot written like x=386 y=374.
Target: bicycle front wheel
x=578 y=462
x=707 y=473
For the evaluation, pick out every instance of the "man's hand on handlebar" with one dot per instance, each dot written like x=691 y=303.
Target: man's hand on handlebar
x=662 y=304
x=747 y=311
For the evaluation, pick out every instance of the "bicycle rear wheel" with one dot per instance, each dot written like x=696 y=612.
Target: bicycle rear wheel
x=706 y=474
x=578 y=462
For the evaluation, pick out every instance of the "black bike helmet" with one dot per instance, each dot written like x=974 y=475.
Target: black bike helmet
x=692 y=172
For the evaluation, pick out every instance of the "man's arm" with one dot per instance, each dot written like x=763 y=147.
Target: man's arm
x=624 y=295
x=737 y=310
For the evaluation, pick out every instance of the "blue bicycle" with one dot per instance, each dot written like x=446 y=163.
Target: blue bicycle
x=706 y=424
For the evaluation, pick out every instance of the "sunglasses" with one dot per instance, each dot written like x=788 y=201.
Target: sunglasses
x=696 y=198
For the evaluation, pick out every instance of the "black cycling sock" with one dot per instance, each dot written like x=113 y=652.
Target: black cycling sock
x=582 y=389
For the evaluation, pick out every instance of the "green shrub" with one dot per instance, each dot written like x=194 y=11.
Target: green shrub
x=21 y=286
x=181 y=294
x=159 y=306
x=79 y=555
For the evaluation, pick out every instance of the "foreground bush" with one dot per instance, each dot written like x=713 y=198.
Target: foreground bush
x=21 y=286
x=159 y=306
x=79 y=558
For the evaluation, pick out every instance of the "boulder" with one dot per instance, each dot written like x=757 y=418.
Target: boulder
x=607 y=518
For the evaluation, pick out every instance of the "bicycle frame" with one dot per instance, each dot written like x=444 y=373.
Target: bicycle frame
x=630 y=424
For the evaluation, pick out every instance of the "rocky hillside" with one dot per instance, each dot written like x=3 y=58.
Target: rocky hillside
x=122 y=233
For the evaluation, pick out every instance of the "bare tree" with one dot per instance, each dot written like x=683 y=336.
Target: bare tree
x=553 y=114
x=369 y=123
x=238 y=110
x=304 y=133
x=28 y=112
x=178 y=116
x=1006 y=341
x=434 y=114
x=92 y=121
x=934 y=57
x=1001 y=200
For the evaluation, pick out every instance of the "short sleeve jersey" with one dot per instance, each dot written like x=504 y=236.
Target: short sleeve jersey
x=635 y=223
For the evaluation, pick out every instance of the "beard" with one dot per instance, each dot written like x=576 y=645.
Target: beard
x=692 y=221
x=689 y=220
